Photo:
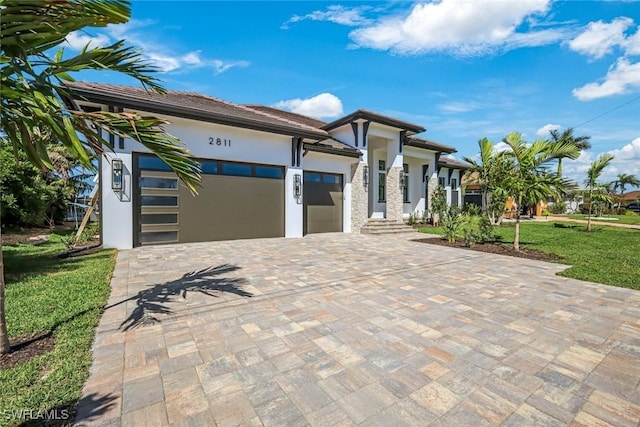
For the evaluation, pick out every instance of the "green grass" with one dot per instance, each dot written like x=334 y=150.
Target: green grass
x=622 y=219
x=61 y=297
x=607 y=255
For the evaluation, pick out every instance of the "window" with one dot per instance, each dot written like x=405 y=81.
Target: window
x=150 y=182
x=441 y=182
x=236 y=169
x=405 y=183
x=152 y=163
x=312 y=177
x=454 y=184
x=331 y=179
x=159 y=201
x=159 y=236
x=382 y=180
x=269 y=172
x=209 y=166
x=159 y=219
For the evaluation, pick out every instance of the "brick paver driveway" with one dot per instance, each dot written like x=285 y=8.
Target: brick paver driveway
x=350 y=329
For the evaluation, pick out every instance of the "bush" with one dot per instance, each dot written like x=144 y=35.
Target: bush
x=453 y=221
x=486 y=232
x=558 y=208
x=472 y=209
x=630 y=213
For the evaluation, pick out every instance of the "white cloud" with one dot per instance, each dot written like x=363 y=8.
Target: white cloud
x=632 y=43
x=600 y=38
x=630 y=151
x=137 y=33
x=78 y=40
x=626 y=160
x=501 y=146
x=319 y=106
x=460 y=27
x=621 y=78
x=336 y=14
x=544 y=130
x=458 y=106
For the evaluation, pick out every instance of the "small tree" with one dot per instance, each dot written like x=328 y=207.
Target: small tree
x=438 y=204
x=595 y=191
x=529 y=182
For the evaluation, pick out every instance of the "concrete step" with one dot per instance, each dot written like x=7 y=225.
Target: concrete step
x=385 y=226
x=387 y=231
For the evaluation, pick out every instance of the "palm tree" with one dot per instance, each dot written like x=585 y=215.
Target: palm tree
x=596 y=190
x=529 y=182
x=566 y=137
x=487 y=171
x=623 y=180
x=32 y=91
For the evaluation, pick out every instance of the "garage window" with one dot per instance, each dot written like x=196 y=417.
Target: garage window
x=236 y=169
x=208 y=166
x=152 y=163
x=152 y=182
x=269 y=172
x=312 y=177
x=159 y=201
x=159 y=237
x=154 y=219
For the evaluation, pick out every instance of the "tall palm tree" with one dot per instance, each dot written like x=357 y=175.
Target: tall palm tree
x=32 y=91
x=529 y=182
x=596 y=190
x=623 y=180
x=567 y=137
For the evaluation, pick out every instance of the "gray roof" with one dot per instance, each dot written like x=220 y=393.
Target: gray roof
x=377 y=118
x=448 y=162
x=193 y=106
x=414 y=141
x=295 y=117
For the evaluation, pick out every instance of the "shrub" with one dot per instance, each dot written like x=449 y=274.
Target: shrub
x=453 y=221
x=630 y=213
x=486 y=232
x=558 y=208
x=472 y=209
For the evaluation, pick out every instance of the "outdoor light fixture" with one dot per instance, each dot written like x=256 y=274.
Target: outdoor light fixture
x=365 y=175
x=401 y=180
x=116 y=175
x=297 y=185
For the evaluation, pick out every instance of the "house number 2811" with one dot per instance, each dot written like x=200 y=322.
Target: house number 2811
x=223 y=142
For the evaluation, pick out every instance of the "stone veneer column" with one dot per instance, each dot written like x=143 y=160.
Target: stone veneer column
x=395 y=205
x=359 y=197
x=433 y=184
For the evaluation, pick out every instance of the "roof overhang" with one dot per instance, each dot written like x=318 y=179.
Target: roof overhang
x=412 y=128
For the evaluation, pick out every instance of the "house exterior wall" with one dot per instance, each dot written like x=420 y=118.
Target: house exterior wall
x=245 y=146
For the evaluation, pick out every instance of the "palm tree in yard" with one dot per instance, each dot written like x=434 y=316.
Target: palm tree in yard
x=32 y=89
x=567 y=138
x=596 y=191
x=623 y=180
x=529 y=182
x=487 y=171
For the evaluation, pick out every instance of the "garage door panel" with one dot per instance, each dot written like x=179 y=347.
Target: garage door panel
x=231 y=207
x=250 y=204
x=323 y=203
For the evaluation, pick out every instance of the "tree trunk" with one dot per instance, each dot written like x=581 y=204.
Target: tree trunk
x=516 y=237
x=589 y=217
x=4 y=336
x=559 y=168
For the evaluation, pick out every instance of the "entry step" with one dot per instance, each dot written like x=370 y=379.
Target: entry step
x=385 y=226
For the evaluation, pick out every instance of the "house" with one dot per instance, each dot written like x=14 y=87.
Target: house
x=630 y=197
x=265 y=172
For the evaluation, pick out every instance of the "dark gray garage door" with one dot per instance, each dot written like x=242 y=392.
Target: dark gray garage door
x=235 y=201
x=322 y=199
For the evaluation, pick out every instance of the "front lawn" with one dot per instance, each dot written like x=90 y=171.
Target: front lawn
x=46 y=296
x=620 y=219
x=607 y=255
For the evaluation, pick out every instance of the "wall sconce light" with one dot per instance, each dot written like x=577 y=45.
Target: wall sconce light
x=365 y=175
x=401 y=180
x=297 y=185
x=116 y=175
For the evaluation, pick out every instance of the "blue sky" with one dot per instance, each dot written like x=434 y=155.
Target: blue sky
x=463 y=69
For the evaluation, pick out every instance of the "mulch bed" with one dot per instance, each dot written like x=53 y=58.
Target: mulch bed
x=494 y=248
x=26 y=347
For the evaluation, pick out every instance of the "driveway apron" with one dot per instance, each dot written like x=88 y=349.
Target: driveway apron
x=340 y=329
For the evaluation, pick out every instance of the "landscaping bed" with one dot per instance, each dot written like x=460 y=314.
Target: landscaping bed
x=494 y=248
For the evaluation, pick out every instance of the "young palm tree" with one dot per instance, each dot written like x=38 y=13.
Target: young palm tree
x=487 y=172
x=529 y=182
x=32 y=91
x=596 y=190
x=567 y=137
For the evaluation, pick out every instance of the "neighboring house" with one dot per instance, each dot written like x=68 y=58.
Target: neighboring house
x=630 y=197
x=265 y=172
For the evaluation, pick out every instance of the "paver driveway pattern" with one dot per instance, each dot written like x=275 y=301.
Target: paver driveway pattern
x=341 y=329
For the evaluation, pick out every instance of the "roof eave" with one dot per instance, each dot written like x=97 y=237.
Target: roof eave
x=331 y=150
x=448 y=150
x=368 y=115
x=190 y=113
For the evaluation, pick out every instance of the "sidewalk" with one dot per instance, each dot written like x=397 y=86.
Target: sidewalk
x=581 y=221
